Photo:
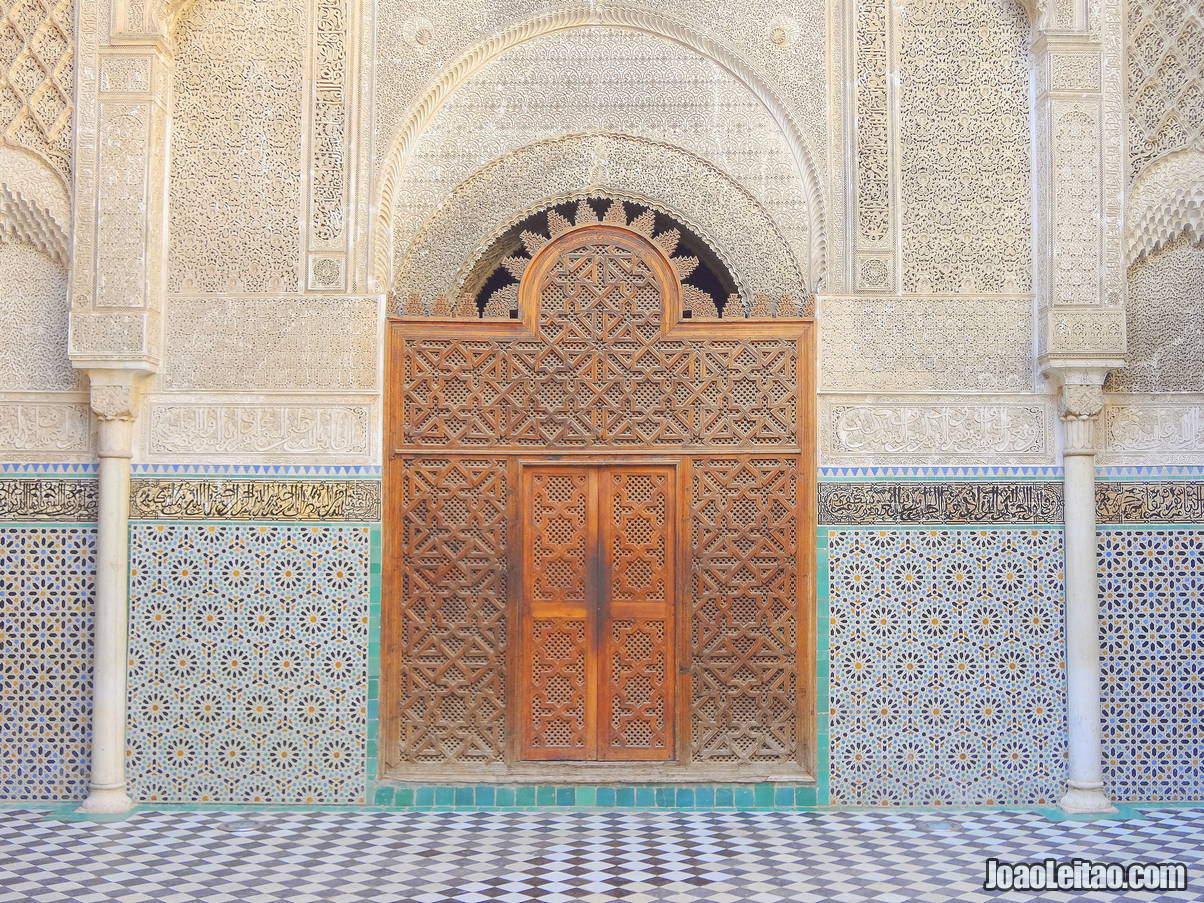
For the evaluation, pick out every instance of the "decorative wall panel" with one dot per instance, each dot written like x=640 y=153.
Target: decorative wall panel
x=643 y=170
x=1166 y=502
x=297 y=344
x=925 y=345
x=236 y=165
x=1165 y=319
x=621 y=82
x=1152 y=662
x=47 y=499
x=46 y=580
x=743 y=618
x=947 y=685
x=938 y=504
x=964 y=146
x=33 y=322
x=934 y=430
x=1165 y=69
x=230 y=499
x=283 y=429
x=452 y=533
x=34 y=427
x=248 y=650
x=37 y=75
x=599 y=374
x=1158 y=429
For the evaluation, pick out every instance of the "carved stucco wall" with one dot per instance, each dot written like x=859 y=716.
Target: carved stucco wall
x=43 y=416
x=236 y=164
x=1155 y=414
x=695 y=140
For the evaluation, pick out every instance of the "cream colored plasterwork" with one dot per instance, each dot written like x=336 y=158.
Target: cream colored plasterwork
x=1166 y=201
x=33 y=322
x=964 y=75
x=449 y=63
x=601 y=80
x=1166 y=322
x=1153 y=430
x=262 y=429
x=925 y=344
x=622 y=166
x=42 y=427
x=893 y=430
x=123 y=93
x=1165 y=79
x=37 y=80
x=237 y=172
x=297 y=344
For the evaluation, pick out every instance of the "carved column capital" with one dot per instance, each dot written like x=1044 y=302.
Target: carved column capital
x=1080 y=400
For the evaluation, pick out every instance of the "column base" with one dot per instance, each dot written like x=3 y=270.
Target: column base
x=106 y=801
x=1089 y=800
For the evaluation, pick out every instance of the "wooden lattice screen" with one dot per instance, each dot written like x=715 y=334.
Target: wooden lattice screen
x=598 y=529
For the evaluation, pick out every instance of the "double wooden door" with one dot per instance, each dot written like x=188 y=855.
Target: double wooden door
x=596 y=650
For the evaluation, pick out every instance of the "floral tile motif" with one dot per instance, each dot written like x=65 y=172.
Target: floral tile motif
x=248 y=651
x=1152 y=662
x=46 y=580
x=947 y=679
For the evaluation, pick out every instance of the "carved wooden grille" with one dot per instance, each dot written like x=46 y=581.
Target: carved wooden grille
x=743 y=618
x=600 y=372
x=484 y=424
x=452 y=638
x=598 y=613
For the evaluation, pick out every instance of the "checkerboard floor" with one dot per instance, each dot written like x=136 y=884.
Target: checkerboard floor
x=635 y=857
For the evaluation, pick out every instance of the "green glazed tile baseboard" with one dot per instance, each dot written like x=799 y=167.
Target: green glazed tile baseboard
x=751 y=797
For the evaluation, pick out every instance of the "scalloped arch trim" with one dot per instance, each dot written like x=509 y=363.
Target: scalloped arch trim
x=455 y=74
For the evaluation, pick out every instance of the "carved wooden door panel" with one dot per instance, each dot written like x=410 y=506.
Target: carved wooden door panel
x=596 y=662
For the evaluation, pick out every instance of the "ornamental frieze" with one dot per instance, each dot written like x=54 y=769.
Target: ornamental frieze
x=940 y=503
x=48 y=499
x=1165 y=502
x=223 y=499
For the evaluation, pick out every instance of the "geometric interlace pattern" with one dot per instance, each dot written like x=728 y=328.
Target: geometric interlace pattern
x=646 y=857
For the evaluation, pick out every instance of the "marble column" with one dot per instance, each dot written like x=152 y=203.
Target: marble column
x=1081 y=404
x=112 y=400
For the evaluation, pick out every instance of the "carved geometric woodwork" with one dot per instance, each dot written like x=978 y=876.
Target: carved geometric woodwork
x=449 y=522
x=598 y=520
x=596 y=661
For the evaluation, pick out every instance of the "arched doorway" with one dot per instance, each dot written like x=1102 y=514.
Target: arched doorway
x=599 y=532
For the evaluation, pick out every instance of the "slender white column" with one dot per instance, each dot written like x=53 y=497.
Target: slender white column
x=106 y=789
x=1085 y=778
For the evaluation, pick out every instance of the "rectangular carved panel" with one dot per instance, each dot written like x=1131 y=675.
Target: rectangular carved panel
x=452 y=637
x=638 y=664
x=743 y=615
x=597 y=664
x=558 y=707
x=582 y=391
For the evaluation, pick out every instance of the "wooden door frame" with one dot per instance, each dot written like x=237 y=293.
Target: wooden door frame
x=398 y=330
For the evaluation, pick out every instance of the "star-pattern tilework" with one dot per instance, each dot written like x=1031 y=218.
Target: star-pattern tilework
x=248 y=651
x=1151 y=594
x=947 y=677
x=682 y=857
x=46 y=581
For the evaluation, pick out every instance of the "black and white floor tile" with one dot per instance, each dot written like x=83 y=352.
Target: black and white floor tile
x=569 y=857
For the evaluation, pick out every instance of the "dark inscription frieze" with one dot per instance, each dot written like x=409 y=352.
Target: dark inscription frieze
x=48 y=499
x=940 y=503
x=305 y=500
x=1150 y=503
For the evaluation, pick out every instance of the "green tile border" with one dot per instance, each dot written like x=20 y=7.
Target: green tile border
x=373 y=670
x=752 y=797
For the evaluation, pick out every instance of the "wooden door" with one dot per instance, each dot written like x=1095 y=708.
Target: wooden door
x=596 y=663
